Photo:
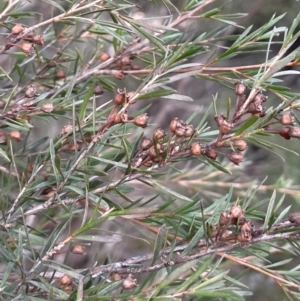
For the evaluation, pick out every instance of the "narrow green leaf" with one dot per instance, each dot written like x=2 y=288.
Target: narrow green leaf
x=85 y=102
x=246 y=125
x=159 y=242
x=194 y=241
x=267 y=223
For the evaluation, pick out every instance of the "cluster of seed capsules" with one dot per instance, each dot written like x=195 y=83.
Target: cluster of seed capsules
x=30 y=39
x=235 y=217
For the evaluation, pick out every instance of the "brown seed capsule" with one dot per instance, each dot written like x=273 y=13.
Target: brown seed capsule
x=255 y=108
x=129 y=282
x=152 y=152
x=284 y=132
x=104 y=57
x=239 y=88
x=225 y=219
x=115 y=277
x=287 y=119
x=119 y=98
x=294 y=132
x=119 y=74
x=159 y=134
x=72 y=146
x=174 y=123
x=78 y=249
x=245 y=233
x=60 y=74
x=65 y=280
x=98 y=90
x=236 y=211
x=125 y=61
x=240 y=145
x=35 y=39
x=31 y=92
x=196 y=149
x=145 y=144
x=68 y=288
x=180 y=131
x=47 y=107
x=224 y=126
x=121 y=117
x=27 y=48
x=295 y=218
x=66 y=129
x=141 y=120
x=15 y=135
x=189 y=131
x=260 y=98
x=17 y=29
x=236 y=157
x=211 y=153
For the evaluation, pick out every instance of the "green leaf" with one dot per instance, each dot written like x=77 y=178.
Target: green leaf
x=194 y=241
x=246 y=125
x=159 y=242
x=85 y=102
x=267 y=223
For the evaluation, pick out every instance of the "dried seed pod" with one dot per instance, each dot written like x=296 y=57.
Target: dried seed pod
x=295 y=218
x=260 y=98
x=189 y=131
x=125 y=61
x=173 y=124
x=180 y=131
x=141 y=120
x=31 y=92
x=115 y=277
x=27 y=48
x=15 y=135
x=98 y=90
x=60 y=74
x=236 y=211
x=245 y=233
x=47 y=107
x=17 y=29
x=225 y=219
x=224 y=126
x=72 y=146
x=152 y=152
x=66 y=129
x=240 y=145
x=78 y=249
x=196 y=149
x=284 y=132
x=145 y=144
x=119 y=98
x=255 y=108
x=65 y=280
x=211 y=153
x=159 y=134
x=287 y=119
x=104 y=57
x=294 y=132
x=129 y=282
x=119 y=74
x=239 y=88
x=35 y=39
x=236 y=157
x=121 y=117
